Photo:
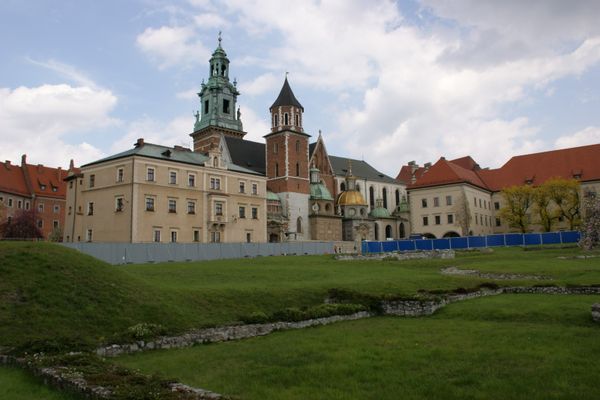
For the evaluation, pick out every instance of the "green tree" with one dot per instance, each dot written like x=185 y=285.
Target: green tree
x=565 y=195
x=518 y=201
x=543 y=207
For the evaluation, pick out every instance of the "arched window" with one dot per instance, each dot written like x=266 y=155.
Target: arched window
x=342 y=187
x=297 y=120
x=299 y=225
x=276 y=169
x=376 y=231
x=388 y=231
x=372 y=197
x=297 y=146
x=276 y=119
x=286 y=119
x=384 y=198
x=397 y=197
x=358 y=187
x=297 y=169
x=401 y=232
x=215 y=162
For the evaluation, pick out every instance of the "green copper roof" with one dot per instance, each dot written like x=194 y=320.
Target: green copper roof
x=379 y=212
x=318 y=191
x=272 y=196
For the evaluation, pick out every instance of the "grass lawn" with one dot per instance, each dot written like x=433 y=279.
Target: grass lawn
x=503 y=347
x=16 y=384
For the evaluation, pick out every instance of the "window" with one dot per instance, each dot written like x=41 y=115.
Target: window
x=88 y=235
x=149 y=203
x=157 y=236
x=448 y=200
x=299 y=225
x=425 y=221
x=196 y=235
x=70 y=210
x=92 y=181
x=191 y=207
x=27 y=205
x=56 y=209
x=55 y=224
x=218 y=208
x=297 y=169
x=436 y=201
x=172 y=205
x=173 y=236
x=276 y=120
x=19 y=203
x=275 y=148
x=297 y=120
x=450 y=218
x=1 y=199
x=226 y=106
x=71 y=185
x=297 y=146
x=242 y=187
x=191 y=180
x=480 y=203
x=43 y=187
x=54 y=188
x=254 y=188
x=172 y=177
x=276 y=169
x=496 y=205
x=286 y=121
x=498 y=223
x=215 y=237
x=10 y=202
x=476 y=219
x=40 y=206
x=438 y=219
x=150 y=174
x=475 y=201
x=215 y=183
x=120 y=173
x=248 y=237
x=424 y=203
x=90 y=208
x=40 y=223
x=242 y=212
x=254 y=212
x=119 y=204
x=205 y=106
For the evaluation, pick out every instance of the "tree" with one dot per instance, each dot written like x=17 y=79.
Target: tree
x=565 y=194
x=463 y=213
x=590 y=232
x=518 y=201
x=22 y=226
x=543 y=207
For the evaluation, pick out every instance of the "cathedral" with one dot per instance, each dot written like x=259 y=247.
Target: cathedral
x=310 y=194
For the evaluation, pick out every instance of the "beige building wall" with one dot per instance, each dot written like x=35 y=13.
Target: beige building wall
x=222 y=205
x=439 y=211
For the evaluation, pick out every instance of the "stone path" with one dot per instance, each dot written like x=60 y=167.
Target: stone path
x=491 y=275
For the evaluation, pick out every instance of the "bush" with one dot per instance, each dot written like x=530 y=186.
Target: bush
x=289 y=314
x=257 y=317
x=145 y=330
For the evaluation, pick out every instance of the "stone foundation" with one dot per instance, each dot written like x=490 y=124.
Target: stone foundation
x=407 y=255
x=596 y=312
x=491 y=275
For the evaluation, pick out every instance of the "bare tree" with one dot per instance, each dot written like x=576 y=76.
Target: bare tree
x=463 y=213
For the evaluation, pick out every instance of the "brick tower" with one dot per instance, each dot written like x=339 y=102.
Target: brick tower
x=287 y=156
x=218 y=115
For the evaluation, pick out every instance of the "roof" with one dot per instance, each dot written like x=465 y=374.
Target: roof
x=351 y=198
x=246 y=153
x=360 y=169
x=319 y=191
x=380 y=212
x=577 y=162
x=286 y=97
x=406 y=173
x=176 y=154
x=12 y=179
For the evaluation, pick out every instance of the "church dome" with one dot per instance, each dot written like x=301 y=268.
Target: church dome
x=319 y=191
x=379 y=212
x=351 y=198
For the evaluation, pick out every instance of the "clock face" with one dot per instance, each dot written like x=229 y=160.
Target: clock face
x=351 y=212
x=315 y=207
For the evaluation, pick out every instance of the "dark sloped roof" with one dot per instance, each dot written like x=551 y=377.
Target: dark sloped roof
x=286 y=97
x=360 y=169
x=311 y=148
x=246 y=153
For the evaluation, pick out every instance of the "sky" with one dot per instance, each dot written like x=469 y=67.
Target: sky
x=384 y=81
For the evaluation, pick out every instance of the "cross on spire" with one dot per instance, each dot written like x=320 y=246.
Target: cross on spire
x=220 y=38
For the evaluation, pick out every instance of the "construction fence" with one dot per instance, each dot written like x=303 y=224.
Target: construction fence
x=140 y=253
x=470 y=242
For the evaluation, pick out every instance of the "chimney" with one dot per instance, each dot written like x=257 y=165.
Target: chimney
x=139 y=143
x=427 y=165
x=39 y=168
x=71 y=165
x=23 y=160
x=58 y=171
x=7 y=164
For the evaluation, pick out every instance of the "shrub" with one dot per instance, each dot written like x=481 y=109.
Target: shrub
x=257 y=317
x=145 y=330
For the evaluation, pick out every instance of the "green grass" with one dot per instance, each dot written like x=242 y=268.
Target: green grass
x=16 y=384
x=504 y=347
x=56 y=298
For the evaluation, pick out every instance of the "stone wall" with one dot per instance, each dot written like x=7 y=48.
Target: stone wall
x=596 y=312
x=406 y=255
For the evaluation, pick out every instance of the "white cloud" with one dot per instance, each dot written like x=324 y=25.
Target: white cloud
x=210 y=21
x=67 y=71
x=170 y=46
x=174 y=132
x=264 y=83
x=36 y=121
x=589 y=135
x=257 y=125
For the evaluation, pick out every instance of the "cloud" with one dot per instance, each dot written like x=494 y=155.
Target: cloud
x=67 y=71
x=589 y=135
x=36 y=120
x=174 y=132
x=264 y=83
x=210 y=21
x=257 y=125
x=171 y=46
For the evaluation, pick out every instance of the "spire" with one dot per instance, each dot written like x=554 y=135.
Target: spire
x=286 y=97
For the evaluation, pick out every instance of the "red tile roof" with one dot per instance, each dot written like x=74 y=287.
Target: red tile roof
x=12 y=179
x=406 y=173
x=27 y=178
x=581 y=163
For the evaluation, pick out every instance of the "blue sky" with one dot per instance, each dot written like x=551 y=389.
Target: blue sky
x=385 y=81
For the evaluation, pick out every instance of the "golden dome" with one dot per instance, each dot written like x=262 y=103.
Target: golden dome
x=351 y=198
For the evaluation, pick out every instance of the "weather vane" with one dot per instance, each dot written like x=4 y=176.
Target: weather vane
x=220 y=39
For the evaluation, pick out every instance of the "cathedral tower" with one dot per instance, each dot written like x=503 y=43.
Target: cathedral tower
x=218 y=96
x=287 y=156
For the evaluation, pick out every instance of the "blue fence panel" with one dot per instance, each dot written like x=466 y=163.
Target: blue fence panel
x=532 y=239
x=514 y=239
x=459 y=242
x=424 y=244
x=570 y=237
x=476 y=241
x=550 y=238
x=389 y=246
x=495 y=240
x=441 y=244
x=373 y=247
x=406 y=245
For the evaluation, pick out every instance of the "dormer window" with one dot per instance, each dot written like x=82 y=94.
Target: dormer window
x=43 y=187
x=54 y=189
